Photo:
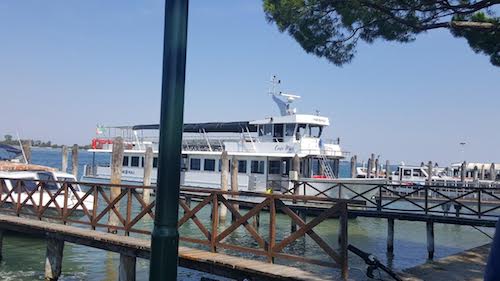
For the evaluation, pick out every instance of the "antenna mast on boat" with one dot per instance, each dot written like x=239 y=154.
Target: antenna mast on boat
x=284 y=106
x=22 y=149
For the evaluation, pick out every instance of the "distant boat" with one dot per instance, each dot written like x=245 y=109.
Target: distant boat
x=21 y=179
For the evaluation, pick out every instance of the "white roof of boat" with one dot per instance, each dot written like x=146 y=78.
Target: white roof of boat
x=479 y=165
x=295 y=118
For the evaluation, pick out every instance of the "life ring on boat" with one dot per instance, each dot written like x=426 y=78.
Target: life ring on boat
x=98 y=143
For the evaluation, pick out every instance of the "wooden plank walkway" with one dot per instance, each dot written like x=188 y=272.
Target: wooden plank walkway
x=215 y=263
x=468 y=265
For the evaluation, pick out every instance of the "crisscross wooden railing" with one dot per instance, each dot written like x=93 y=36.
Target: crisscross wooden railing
x=462 y=201
x=123 y=210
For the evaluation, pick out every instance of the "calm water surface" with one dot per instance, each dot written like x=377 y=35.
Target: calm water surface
x=23 y=257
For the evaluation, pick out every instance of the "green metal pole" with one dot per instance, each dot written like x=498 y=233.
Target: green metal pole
x=165 y=237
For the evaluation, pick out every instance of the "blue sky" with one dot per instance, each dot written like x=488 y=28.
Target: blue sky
x=68 y=65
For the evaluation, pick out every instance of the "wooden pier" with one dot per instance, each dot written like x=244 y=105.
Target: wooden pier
x=86 y=224
x=131 y=248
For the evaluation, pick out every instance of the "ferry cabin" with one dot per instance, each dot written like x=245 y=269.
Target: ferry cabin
x=264 y=150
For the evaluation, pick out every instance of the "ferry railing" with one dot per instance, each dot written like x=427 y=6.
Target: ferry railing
x=122 y=209
x=461 y=201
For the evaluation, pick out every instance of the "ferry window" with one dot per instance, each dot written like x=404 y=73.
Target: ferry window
x=289 y=130
x=274 y=167
x=407 y=172
x=125 y=161
x=315 y=131
x=268 y=130
x=301 y=131
x=134 y=161
x=242 y=166
x=257 y=167
x=209 y=165
x=142 y=161
x=278 y=131
x=417 y=173
x=155 y=162
x=195 y=164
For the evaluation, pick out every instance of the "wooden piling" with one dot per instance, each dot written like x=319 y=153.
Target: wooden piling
x=148 y=170
x=127 y=268
x=74 y=160
x=1 y=244
x=377 y=167
x=462 y=172
x=430 y=239
x=26 y=146
x=234 y=182
x=296 y=185
x=64 y=159
x=390 y=235
x=369 y=169
x=353 y=167
x=481 y=174
x=429 y=173
x=475 y=176
x=387 y=169
x=116 y=176
x=53 y=259
x=493 y=172
x=224 y=174
x=296 y=167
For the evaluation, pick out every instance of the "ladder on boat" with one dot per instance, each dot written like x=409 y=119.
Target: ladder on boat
x=327 y=169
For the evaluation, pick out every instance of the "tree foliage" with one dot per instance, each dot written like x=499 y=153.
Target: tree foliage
x=332 y=28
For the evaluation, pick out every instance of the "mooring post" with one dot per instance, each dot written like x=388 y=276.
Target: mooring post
x=116 y=178
x=1 y=243
x=148 y=170
x=369 y=168
x=53 y=259
x=64 y=159
x=343 y=241
x=234 y=183
x=353 y=167
x=475 y=176
x=296 y=185
x=74 y=160
x=429 y=173
x=430 y=239
x=377 y=167
x=387 y=169
x=127 y=268
x=390 y=235
x=481 y=175
x=224 y=174
x=187 y=198
x=462 y=172
x=26 y=146
x=493 y=172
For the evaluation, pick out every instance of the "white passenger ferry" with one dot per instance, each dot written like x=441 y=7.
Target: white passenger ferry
x=264 y=150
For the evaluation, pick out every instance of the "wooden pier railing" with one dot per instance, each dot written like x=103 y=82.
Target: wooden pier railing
x=467 y=202
x=126 y=213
